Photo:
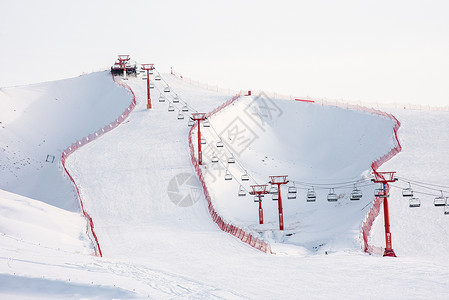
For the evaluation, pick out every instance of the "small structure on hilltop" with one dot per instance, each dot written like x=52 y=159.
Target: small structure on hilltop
x=123 y=66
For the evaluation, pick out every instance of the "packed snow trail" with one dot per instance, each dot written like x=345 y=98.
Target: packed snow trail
x=420 y=231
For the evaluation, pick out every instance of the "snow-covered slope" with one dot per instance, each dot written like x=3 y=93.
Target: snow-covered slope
x=313 y=145
x=424 y=161
x=39 y=121
x=158 y=239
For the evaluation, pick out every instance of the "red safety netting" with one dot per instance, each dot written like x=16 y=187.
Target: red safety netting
x=375 y=208
x=84 y=141
x=236 y=231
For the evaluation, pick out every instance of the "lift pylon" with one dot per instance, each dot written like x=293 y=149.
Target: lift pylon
x=258 y=191
x=279 y=180
x=148 y=68
x=199 y=117
x=384 y=178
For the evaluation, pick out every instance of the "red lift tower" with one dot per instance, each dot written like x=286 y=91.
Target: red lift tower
x=279 y=180
x=384 y=178
x=258 y=191
x=122 y=60
x=148 y=68
x=199 y=117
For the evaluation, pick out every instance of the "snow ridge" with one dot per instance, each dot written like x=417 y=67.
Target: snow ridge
x=72 y=148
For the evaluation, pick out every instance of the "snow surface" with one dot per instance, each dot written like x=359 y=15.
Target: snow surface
x=157 y=245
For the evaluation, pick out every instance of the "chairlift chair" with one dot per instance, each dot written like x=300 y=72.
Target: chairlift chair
x=185 y=108
x=380 y=193
x=311 y=195
x=245 y=177
x=191 y=122
x=144 y=77
x=167 y=89
x=256 y=198
x=150 y=72
x=332 y=196
x=446 y=207
x=356 y=194
x=171 y=108
x=161 y=98
x=228 y=175
x=157 y=77
x=414 y=202
x=440 y=200
x=275 y=197
x=206 y=123
x=291 y=195
x=176 y=99
x=203 y=141
x=231 y=159
x=180 y=116
x=151 y=85
x=273 y=190
x=214 y=158
x=242 y=191
x=292 y=189
x=219 y=144
x=407 y=192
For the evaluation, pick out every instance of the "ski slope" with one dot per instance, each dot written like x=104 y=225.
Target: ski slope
x=156 y=234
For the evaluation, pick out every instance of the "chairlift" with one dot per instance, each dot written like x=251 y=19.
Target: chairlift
x=228 y=175
x=381 y=193
x=311 y=195
x=291 y=195
x=446 y=207
x=157 y=77
x=191 y=122
x=161 y=98
x=257 y=198
x=206 y=123
x=414 y=202
x=142 y=70
x=185 y=108
x=440 y=200
x=275 y=197
x=214 y=158
x=150 y=72
x=180 y=116
x=151 y=85
x=332 y=196
x=242 y=191
x=144 y=77
x=407 y=192
x=245 y=177
x=273 y=190
x=176 y=99
x=219 y=144
x=292 y=189
x=171 y=108
x=167 y=89
x=356 y=194
x=231 y=159
x=203 y=141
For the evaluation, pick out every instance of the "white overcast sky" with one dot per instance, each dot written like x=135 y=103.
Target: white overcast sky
x=384 y=51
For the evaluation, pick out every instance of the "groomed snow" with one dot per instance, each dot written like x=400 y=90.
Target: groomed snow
x=158 y=246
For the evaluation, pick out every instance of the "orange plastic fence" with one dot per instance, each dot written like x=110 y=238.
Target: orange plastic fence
x=72 y=148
